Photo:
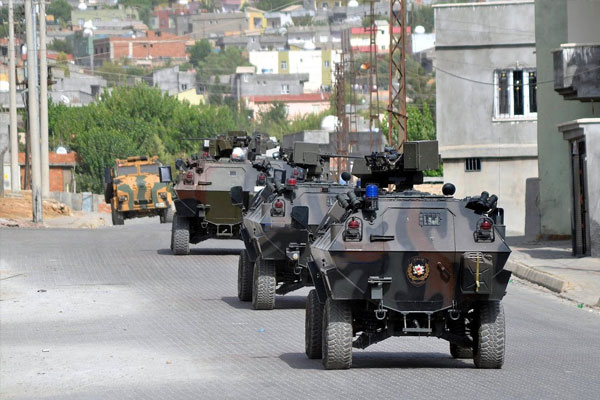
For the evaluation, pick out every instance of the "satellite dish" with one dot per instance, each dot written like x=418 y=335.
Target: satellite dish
x=353 y=3
x=309 y=46
x=329 y=123
x=61 y=150
x=82 y=5
x=88 y=24
x=419 y=29
x=282 y=31
x=64 y=99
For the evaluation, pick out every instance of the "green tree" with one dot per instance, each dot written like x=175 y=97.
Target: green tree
x=199 y=51
x=65 y=46
x=61 y=10
x=131 y=121
x=421 y=15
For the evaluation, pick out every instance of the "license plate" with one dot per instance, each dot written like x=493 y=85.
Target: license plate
x=160 y=204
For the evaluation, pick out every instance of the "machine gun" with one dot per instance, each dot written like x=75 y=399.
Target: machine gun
x=404 y=170
x=222 y=145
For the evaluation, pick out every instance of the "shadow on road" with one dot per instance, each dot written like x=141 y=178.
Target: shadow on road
x=203 y=252
x=363 y=360
x=281 y=303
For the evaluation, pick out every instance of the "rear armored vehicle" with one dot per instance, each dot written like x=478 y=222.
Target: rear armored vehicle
x=277 y=225
x=203 y=205
x=406 y=263
x=133 y=189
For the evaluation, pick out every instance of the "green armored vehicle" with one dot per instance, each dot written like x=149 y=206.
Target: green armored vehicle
x=406 y=263
x=272 y=260
x=133 y=189
x=203 y=205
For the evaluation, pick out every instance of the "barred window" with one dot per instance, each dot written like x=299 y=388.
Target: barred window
x=473 y=164
x=515 y=94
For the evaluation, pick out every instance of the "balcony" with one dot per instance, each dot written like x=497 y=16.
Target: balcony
x=577 y=71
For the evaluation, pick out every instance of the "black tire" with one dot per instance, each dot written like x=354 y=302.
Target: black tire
x=117 y=217
x=337 y=335
x=459 y=328
x=264 y=283
x=313 y=326
x=180 y=236
x=490 y=336
x=245 y=274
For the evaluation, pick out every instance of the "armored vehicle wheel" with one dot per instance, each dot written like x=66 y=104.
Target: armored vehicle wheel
x=459 y=328
x=489 y=341
x=245 y=272
x=169 y=215
x=337 y=335
x=180 y=239
x=264 y=283
x=117 y=218
x=313 y=326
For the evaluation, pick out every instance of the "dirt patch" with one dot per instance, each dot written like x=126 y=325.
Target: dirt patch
x=433 y=188
x=20 y=207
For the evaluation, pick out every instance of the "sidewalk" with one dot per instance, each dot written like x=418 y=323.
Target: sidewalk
x=551 y=264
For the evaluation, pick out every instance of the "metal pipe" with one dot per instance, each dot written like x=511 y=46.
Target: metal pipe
x=15 y=170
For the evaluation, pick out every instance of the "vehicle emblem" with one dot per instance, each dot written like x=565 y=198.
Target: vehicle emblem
x=418 y=270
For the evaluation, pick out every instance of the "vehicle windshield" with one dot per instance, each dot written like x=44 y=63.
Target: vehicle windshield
x=149 y=169
x=127 y=170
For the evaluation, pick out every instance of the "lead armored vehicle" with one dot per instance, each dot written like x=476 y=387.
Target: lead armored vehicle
x=202 y=203
x=277 y=224
x=133 y=189
x=405 y=263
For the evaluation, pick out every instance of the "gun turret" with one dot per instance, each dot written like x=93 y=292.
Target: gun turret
x=400 y=169
x=308 y=157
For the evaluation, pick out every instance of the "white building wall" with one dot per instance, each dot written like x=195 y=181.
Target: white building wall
x=266 y=62
x=503 y=177
x=310 y=62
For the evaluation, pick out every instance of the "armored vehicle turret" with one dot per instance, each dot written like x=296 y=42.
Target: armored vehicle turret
x=387 y=260
x=277 y=225
x=133 y=189
x=203 y=206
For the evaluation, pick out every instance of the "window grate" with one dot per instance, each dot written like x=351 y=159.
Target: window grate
x=473 y=164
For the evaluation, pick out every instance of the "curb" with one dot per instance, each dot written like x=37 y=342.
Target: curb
x=535 y=276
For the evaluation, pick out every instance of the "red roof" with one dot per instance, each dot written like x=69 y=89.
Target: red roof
x=291 y=98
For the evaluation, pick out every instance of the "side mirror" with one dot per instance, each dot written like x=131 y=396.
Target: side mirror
x=107 y=177
x=237 y=195
x=300 y=217
x=164 y=172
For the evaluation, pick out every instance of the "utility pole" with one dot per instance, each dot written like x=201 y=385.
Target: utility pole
x=33 y=116
x=397 y=121
x=15 y=171
x=45 y=167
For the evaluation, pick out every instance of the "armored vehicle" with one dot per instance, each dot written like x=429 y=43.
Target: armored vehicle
x=406 y=263
x=272 y=261
x=133 y=189
x=203 y=206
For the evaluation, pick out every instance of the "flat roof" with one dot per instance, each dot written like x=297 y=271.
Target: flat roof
x=490 y=3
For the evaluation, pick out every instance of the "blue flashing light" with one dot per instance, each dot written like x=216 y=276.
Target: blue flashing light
x=372 y=192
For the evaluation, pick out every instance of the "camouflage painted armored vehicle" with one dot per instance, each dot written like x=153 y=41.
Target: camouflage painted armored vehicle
x=203 y=206
x=133 y=189
x=274 y=232
x=407 y=263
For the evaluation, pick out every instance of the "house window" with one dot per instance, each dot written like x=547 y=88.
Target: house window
x=326 y=63
x=285 y=89
x=284 y=64
x=473 y=164
x=183 y=86
x=245 y=76
x=515 y=94
x=257 y=22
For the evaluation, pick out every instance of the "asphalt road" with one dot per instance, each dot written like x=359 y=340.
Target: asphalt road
x=110 y=313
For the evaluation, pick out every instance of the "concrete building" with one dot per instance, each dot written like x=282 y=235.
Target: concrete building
x=247 y=83
x=486 y=101
x=156 y=46
x=253 y=42
x=558 y=22
x=318 y=64
x=171 y=80
x=76 y=89
x=296 y=105
x=212 y=25
x=103 y=16
x=568 y=54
